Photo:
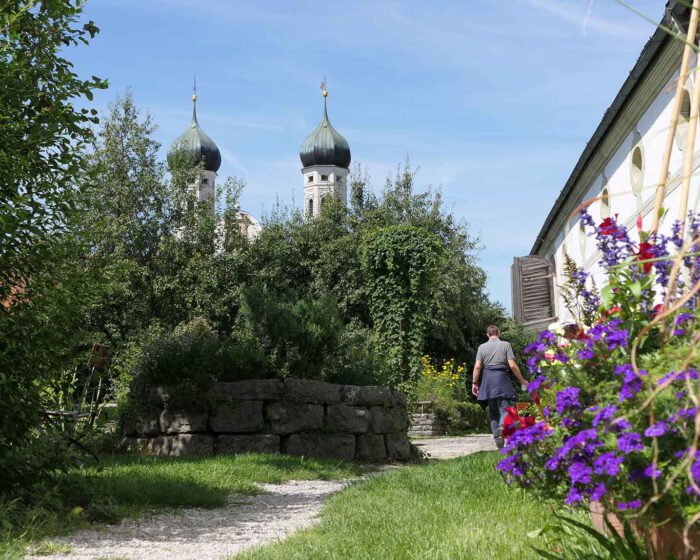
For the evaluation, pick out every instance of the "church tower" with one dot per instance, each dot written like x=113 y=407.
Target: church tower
x=325 y=157
x=195 y=146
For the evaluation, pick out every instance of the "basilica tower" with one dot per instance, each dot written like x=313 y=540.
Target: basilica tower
x=196 y=147
x=325 y=157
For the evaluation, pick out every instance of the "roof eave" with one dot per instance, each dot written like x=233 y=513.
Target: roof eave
x=674 y=12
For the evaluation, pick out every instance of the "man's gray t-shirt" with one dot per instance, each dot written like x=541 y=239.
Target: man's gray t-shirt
x=495 y=352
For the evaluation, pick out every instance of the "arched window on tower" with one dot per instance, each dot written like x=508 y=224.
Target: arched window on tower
x=310 y=208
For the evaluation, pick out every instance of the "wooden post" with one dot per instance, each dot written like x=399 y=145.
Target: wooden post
x=682 y=78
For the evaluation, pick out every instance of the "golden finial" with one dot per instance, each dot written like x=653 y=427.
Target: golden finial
x=323 y=87
x=194 y=89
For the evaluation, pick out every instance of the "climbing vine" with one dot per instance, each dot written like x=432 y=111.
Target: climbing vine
x=400 y=263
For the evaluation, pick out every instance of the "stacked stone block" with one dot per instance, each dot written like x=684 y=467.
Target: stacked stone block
x=425 y=425
x=294 y=416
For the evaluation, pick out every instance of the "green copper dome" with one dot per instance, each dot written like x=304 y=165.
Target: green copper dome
x=196 y=145
x=325 y=145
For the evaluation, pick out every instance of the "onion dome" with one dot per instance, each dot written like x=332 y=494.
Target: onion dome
x=196 y=145
x=325 y=145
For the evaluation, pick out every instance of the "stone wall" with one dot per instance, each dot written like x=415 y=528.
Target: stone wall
x=294 y=416
x=425 y=424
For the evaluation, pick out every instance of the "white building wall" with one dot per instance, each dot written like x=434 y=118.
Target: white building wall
x=650 y=132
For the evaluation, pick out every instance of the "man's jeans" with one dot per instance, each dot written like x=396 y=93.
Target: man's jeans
x=497 y=412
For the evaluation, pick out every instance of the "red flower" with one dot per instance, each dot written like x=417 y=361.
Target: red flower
x=608 y=227
x=513 y=421
x=612 y=310
x=575 y=332
x=645 y=253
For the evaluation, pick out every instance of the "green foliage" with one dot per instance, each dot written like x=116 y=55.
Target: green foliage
x=41 y=131
x=400 y=263
x=297 y=335
x=567 y=538
x=42 y=296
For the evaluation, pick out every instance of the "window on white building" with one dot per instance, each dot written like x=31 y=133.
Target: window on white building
x=582 y=240
x=683 y=120
x=309 y=178
x=605 y=202
x=637 y=171
x=324 y=177
x=310 y=208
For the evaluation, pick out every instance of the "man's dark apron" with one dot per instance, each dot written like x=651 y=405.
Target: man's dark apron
x=495 y=383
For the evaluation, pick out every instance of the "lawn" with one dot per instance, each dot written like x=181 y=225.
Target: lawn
x=453 y=509
x=130 y=486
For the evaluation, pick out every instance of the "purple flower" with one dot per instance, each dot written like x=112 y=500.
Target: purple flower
x=621 y=425
x=586 y=353
x=573 y=496
x=629 y=442
x=690 y=373
x=511 y=465
x=608 y=463
x=568 y=399
x=528 y=436
x=536 y=383
x=580 y=472
x=631 y=382
x=568 y=422
x=598 y=492
x=634 y=504
x=605 y=415
x=652 y=472
x=656 y=430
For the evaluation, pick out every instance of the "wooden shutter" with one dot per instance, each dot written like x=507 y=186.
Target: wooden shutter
x=533 y=291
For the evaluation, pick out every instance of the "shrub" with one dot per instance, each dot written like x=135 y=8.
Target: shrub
x=187 y=360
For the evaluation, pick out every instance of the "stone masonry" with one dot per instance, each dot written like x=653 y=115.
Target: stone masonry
x=294 y=416
x=425 y=425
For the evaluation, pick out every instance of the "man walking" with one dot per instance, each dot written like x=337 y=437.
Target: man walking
x=496 y=357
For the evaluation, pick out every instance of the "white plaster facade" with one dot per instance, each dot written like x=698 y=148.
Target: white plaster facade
x=626 y=166
x=320 y=182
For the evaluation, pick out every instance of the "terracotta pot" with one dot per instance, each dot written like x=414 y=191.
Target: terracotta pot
x=522 y=406
x=665 y=539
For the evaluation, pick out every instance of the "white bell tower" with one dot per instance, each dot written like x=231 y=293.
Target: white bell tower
x=325 y=157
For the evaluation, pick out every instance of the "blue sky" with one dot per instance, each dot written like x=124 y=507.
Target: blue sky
x=494 y=101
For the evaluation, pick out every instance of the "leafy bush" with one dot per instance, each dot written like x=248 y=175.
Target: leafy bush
x=187 y=360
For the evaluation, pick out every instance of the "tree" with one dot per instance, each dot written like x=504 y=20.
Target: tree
x=42 y=142
x=127 y=217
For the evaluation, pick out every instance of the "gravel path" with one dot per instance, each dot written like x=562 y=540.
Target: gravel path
x=451 y=447
x=246 y=521
x=203 y=534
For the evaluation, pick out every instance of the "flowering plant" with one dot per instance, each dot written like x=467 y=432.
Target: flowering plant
x=620 y=384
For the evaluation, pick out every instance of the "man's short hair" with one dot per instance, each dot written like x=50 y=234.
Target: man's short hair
x=493 y=330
